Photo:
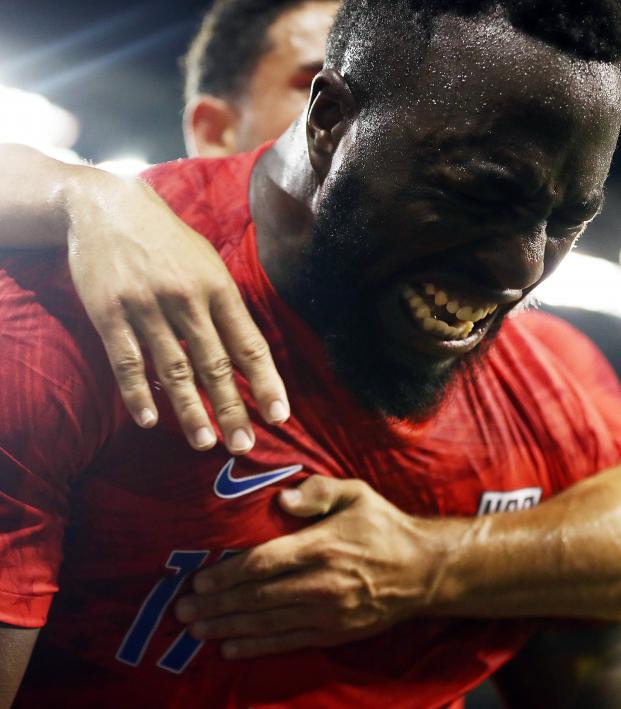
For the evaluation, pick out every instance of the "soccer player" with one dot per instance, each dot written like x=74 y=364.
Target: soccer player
x=447 y=162
x=249 y=71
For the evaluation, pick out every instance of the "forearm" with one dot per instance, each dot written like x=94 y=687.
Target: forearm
x=32 y=199
x=560 y=559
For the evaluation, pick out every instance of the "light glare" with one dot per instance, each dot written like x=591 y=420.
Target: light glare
x=583 y=282
x=128 y=165
x=31 y=119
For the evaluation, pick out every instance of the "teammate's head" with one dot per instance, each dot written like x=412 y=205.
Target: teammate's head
x=249 y=71
x=459 y=148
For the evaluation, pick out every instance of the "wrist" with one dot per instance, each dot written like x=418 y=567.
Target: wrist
x=441 y=582
x=89 y=198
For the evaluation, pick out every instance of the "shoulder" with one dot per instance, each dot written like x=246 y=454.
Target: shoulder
x=211 y=196
x=563 y=386
x=548 y=339
x=57 y=391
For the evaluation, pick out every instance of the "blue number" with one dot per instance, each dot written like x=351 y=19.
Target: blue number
x=150 y=614
x=185 y=647
x=180 y=653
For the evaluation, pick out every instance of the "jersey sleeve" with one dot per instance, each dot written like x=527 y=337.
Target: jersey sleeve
x=584 y=364
x=56 y=407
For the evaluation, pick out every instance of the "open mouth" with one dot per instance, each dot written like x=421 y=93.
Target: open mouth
x=445 y=315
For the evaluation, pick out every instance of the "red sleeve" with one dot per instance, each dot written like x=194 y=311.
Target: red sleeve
x=56 y=406
x=584 y=363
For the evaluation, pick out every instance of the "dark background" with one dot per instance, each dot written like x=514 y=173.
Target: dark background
x=113 y=64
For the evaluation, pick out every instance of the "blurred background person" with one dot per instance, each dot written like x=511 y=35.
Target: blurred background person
x=249 y=71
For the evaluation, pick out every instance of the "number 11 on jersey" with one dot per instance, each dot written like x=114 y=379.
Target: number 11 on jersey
x=150 y=615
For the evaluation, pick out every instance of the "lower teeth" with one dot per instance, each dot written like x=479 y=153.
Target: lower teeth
x=440 y=327
x=422 y=312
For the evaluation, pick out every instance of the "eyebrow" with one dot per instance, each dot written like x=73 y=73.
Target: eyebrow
x=524 y=182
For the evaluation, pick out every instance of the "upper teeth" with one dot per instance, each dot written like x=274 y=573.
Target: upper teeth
x=467 y=314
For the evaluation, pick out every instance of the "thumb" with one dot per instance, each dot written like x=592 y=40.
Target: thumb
x=319 y=496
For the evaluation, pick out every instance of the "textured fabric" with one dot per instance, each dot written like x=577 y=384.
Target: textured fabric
x=140 y=510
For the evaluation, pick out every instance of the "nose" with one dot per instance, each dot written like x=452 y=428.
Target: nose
x=513 y=261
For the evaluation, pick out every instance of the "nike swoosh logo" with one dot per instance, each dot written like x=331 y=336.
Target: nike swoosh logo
x=228 y=487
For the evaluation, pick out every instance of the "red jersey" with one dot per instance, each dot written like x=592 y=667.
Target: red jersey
x=140 y=511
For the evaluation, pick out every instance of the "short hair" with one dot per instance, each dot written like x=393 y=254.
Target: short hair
x=584 y=29
x=232 y=38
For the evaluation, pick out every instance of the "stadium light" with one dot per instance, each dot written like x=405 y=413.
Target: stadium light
x=127 y=165
x=583 y=282
x=33 y=120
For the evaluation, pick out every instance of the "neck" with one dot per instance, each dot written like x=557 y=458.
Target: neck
x=281 y=196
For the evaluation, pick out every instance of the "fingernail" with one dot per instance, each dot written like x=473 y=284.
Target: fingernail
x=279 y=413
x=240 y=440
x=204 y=438
x=146 y=418
x=186 y=611
x=291 y=497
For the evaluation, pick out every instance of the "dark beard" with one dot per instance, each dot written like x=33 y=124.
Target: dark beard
x=328 y=295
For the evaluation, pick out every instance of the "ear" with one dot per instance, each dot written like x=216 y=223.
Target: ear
x=331 y=105
x=209 y=127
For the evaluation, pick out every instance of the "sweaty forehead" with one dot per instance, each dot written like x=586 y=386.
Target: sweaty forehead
x=487 y=71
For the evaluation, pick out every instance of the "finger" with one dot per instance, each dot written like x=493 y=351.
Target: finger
x=319 y=495
x=251 y=354
x=303 y=588
x=266 y=623
x=271 y=559
x=175 y=374
x=127 y=364
x=215 y=370
x=246 y=648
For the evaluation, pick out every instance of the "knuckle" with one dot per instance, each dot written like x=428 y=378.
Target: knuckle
x=348 y=602
x=360 y=488
x=229 y=410
x=182 y=294
x=221 y=289
x=188 y=405
x=321 y=489
x=218 y=370
x=128 y=368
x=327 y=554
x=140 y=303
x=179 y=371
x=255 y=351
x=255 y=565
x=108 y=313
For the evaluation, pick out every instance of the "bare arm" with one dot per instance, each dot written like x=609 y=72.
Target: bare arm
x=143 y=275
x=560 y=559
x=32 y=212
x=367 y=566
x=16 y=646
